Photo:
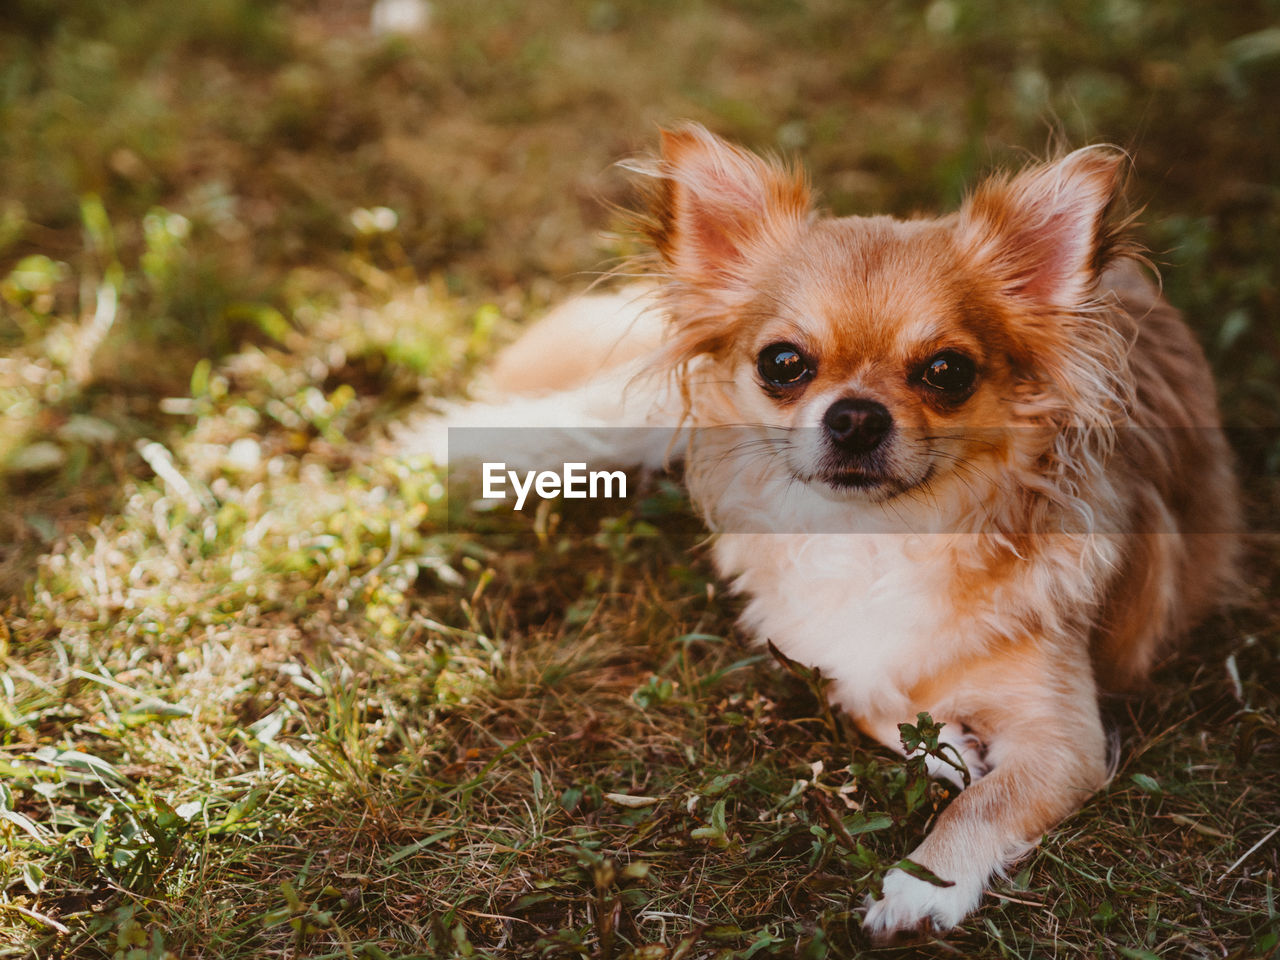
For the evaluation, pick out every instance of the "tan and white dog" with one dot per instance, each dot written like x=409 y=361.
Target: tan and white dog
x=969 y=465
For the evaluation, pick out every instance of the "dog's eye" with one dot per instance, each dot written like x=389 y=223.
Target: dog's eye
x=783 y=365
x=950 y=373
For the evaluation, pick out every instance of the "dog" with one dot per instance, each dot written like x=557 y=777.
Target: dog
x=969 y=465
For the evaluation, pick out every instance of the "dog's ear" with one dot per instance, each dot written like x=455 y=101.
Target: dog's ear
x=1041 y=239
x=1046 y=234
x=716 y=214
x=716 y=205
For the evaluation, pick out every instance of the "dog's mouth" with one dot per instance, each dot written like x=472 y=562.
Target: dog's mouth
x=854 y=480
x=874 y=485
x=871 y=478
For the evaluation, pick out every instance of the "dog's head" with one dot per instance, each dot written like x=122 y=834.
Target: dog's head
x=885 y=355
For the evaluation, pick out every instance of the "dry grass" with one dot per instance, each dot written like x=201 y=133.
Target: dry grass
x=260 y=697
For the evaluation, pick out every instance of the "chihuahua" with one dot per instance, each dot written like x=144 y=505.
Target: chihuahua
x=967 y=465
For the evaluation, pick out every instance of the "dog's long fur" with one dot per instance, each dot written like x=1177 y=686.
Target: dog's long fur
x=998 y=557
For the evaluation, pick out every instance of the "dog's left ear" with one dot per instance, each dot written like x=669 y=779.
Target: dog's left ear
x=1043 y=238
x=1046 y=233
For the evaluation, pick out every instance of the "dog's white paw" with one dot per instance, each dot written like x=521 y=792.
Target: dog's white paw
x=913 y=908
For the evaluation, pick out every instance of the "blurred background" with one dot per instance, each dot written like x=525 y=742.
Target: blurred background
x=179 y=180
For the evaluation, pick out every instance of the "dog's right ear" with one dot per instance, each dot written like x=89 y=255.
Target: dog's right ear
x=716 y=205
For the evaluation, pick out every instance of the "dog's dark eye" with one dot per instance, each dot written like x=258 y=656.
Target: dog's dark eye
x=950 y=373
x=783 y=365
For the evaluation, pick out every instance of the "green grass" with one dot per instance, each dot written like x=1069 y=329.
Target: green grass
x=260 y=697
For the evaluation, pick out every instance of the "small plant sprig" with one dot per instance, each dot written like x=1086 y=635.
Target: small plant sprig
x=922 y=739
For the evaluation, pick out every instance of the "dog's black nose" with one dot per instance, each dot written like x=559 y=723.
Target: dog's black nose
x=856 y=425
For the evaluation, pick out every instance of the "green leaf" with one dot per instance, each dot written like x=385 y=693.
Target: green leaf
x=717 y=816
x=764 y=938
x=867 y=823
x=417 y=845
x=243 y=807
x=922 y=873
x=23 y=823
x=97 y=225
x=1147 y=784
x=79 y=761
x=720 y=784
x=151 y=711
x=33 y=877
x=200 y=378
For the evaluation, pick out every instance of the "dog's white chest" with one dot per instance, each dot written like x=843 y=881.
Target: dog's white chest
x=871 y=611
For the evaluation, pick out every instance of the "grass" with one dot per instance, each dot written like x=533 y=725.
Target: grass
x=260 y=697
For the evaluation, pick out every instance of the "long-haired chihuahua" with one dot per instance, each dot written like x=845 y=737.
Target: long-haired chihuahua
x=968 y=465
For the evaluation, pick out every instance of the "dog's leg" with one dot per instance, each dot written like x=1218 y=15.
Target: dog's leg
x=1047 y=752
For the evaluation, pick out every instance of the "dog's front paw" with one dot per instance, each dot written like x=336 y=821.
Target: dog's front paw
x=913 y=908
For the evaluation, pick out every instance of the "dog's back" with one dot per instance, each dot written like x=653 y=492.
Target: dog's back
x=1179 y=541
